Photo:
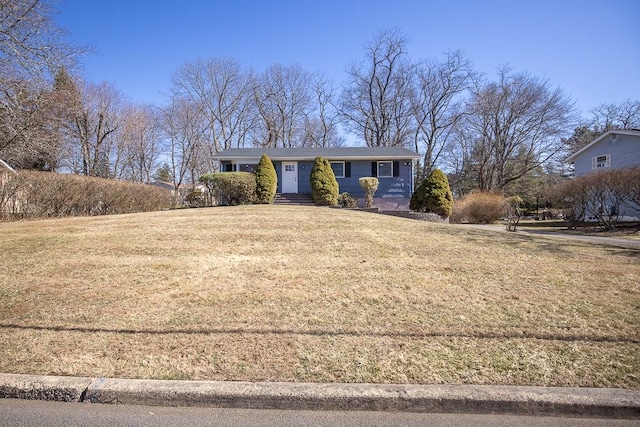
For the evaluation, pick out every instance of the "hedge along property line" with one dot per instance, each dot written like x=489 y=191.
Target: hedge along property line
x=34 y=194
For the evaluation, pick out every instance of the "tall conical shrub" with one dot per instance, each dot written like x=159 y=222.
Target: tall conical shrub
x=324 y=187
x=433 y=195
x=266 y=180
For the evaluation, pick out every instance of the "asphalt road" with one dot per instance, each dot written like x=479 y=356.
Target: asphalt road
x=18 y=413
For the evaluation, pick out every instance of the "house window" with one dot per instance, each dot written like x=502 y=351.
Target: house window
x=289 y=168
x=601 y=161
x=338 y=169
x=385 y=169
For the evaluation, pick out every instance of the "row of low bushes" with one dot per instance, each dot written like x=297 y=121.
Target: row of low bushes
x=601 y=196
x=33 y=194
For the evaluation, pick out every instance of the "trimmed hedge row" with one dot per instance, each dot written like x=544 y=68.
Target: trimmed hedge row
x=33 y=194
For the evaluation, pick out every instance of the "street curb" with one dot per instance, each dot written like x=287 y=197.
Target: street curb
x=65 y=389
x=592 y=402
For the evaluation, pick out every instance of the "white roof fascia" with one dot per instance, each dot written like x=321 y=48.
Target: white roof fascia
x=3 y=163
x=311 y=158
x=627 y=132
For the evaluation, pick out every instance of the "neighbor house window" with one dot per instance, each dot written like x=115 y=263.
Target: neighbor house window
x=601 y=161
x=338 y=169
x=385 y=169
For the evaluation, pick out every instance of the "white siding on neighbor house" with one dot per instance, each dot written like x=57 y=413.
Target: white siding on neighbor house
x=621 y=151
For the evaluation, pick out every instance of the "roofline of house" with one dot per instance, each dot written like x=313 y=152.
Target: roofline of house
x=629 y=132
x=3 y=163
x=311 y=158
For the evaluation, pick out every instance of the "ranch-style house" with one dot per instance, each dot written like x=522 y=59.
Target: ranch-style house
x=393 y=166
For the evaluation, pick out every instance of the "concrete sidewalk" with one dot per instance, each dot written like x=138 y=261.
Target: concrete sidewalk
x=587 y=402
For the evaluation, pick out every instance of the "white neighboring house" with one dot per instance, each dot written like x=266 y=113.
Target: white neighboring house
x=615 y=149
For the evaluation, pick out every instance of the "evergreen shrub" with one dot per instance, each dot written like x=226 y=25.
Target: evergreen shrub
x=433 y=195
x=231 y=188
x=266 y=181
x=346 y=200
x=324 y=187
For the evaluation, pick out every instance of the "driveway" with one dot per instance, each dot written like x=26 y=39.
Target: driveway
x=597 y=240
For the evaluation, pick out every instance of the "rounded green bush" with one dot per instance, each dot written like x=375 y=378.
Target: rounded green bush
x=231 y=188
x=346 y=200
x=266 y=181
x=433 y=195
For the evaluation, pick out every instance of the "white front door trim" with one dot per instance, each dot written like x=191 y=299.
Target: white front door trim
x=290 y=177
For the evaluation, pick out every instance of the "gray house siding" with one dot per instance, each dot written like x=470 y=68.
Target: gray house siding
x=623 y=151
x=393 y=191
x=616 y=149
x=388 y=187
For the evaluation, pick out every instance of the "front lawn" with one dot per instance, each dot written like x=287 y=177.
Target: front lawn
x=276 y=293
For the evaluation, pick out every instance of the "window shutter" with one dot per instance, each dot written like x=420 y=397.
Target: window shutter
x=374 y=169
x=594 y=162
x=608 y=163
x=396 y=169
x=347 y=169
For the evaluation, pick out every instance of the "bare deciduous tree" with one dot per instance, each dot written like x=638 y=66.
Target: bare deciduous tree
x=182 y=124
x=138 y=144
x=375 y=103
x=321 y=128
x=92 y=128
x=437 y=104
x=623 y=115
x=32 y=49
x=31 y=45
x=513 y=126
x=283 y=101
x=223 y=90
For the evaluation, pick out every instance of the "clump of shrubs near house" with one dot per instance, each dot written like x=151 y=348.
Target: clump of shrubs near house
x=266 y=181
x=600 y=196
x=479 y=208
x=324 y=186
x=231 y=188
x=369 y=185
x=433 y=195
x=346 y=200
x=36 y=194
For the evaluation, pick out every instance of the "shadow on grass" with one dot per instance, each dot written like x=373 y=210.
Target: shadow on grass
x=326 y=332
x=553 y=242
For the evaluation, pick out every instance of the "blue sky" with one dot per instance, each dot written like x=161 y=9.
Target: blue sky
x=589 y=48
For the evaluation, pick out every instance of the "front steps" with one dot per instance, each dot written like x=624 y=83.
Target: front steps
x=293 y=200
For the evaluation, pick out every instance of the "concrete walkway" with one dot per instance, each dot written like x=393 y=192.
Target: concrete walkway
x=586 y=402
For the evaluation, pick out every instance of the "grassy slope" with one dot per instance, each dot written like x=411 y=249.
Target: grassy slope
x=310 y=294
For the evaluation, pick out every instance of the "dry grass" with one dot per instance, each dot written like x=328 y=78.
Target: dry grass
x=312 y=294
